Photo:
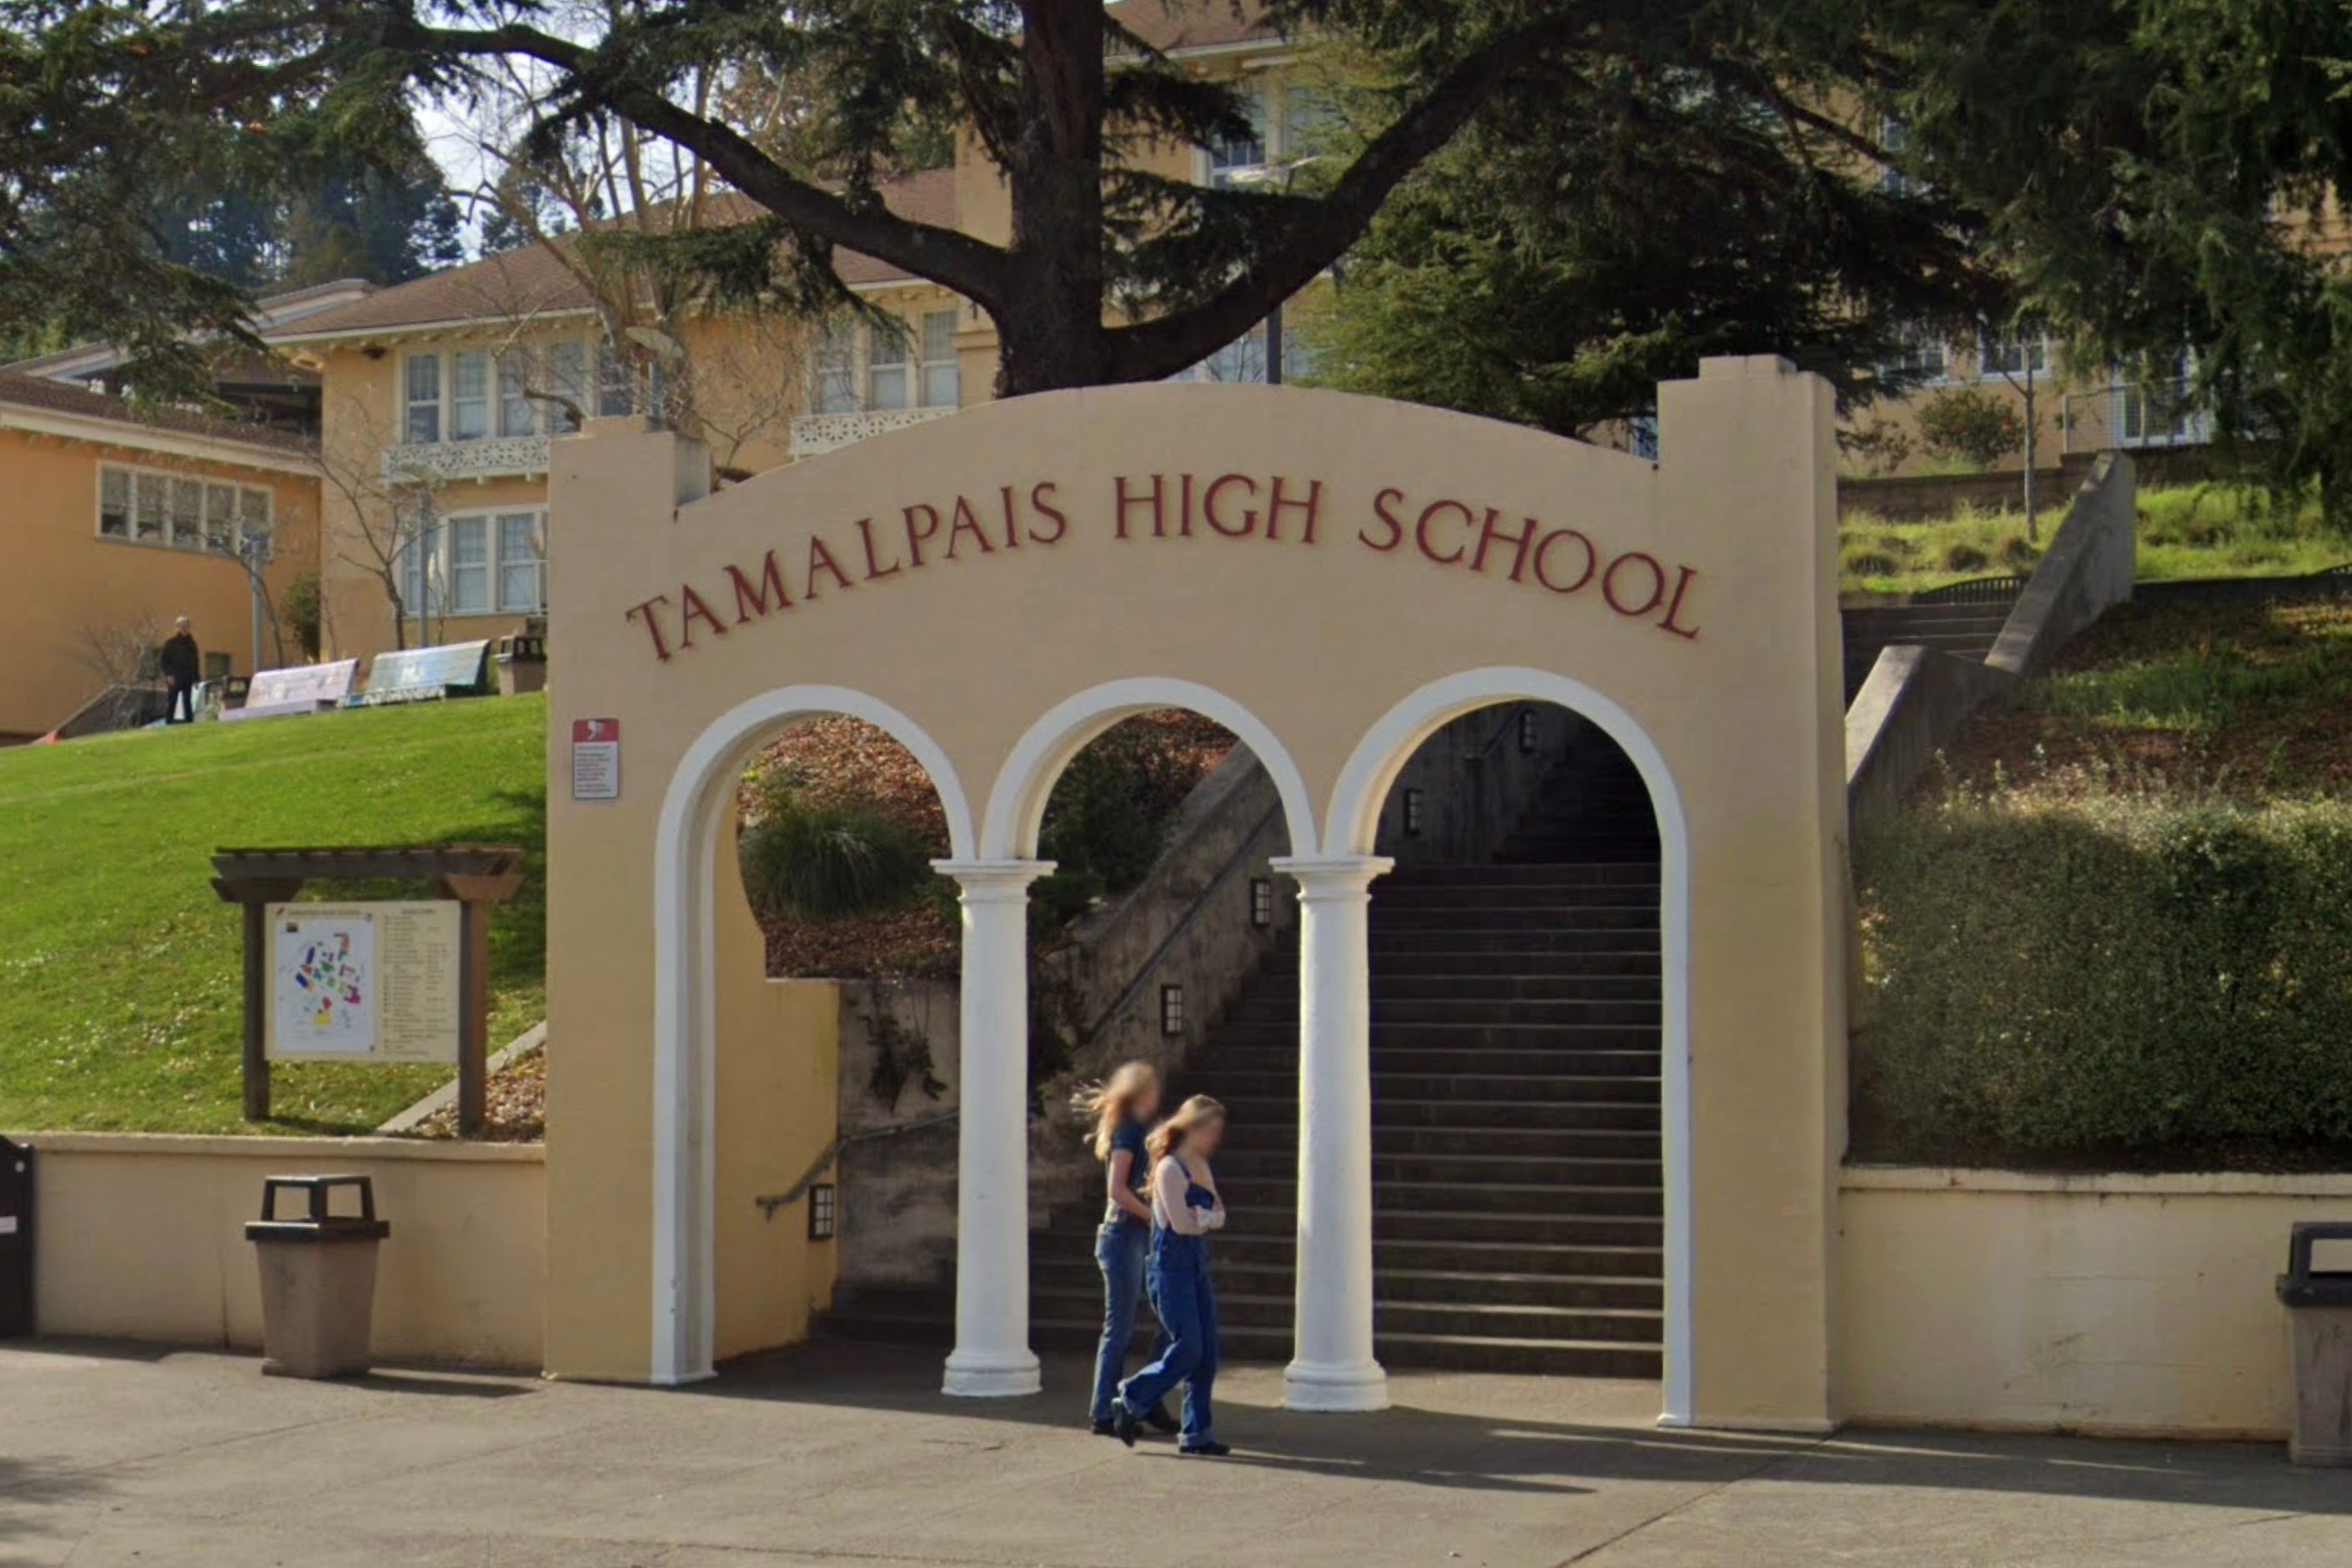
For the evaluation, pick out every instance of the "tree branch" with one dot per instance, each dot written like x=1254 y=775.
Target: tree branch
x=945 y=256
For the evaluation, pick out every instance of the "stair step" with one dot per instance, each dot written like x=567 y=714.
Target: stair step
x=1618 y=1053
x=1064 y=1287
x=1252 y=1135
x=1391 y=924
x=1510 y=1201
x=1501 y=878
x=1440 y=942
x=1535 y=1088
x=1243 y=1166
x=1468 y=1005
x=1279 y=1108
x=1390 y=901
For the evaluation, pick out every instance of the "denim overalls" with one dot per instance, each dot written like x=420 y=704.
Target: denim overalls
x=1178 y=1274
x=1120 y=1248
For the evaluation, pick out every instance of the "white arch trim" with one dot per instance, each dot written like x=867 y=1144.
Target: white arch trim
x=685 y=1105
x=1017 y=805
x=1354 y=820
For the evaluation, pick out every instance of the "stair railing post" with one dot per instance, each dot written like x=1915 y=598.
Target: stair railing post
x=992 y=1358
x=1332 y=1367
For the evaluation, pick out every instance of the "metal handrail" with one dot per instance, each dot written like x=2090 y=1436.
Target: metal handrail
x=1242 y=856
x=769 y=1203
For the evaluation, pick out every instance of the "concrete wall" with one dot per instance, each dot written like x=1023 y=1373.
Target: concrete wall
x=897 y=1165
x=66 y=583
x=1913 y=702
x=2120 y=1304
x=141 y=1238
x=1476 y=782
x=2090 y=566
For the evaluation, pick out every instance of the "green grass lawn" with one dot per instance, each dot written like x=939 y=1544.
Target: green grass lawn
x=2185 y=531
x=119 y=992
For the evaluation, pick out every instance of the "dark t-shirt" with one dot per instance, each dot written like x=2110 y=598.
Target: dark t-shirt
x=1128 y=1135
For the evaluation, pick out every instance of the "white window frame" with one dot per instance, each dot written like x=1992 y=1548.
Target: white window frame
x=1915 y=349
x=503 y=411
x=429 y=566
x=2034 y=354
x=173 y=486
x=847 y=365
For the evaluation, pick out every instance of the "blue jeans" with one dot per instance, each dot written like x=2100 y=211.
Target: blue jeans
x=1178 y=1276
x=1121 y=1246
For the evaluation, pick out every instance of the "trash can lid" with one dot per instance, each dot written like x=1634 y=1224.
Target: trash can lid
x=2303 y=1286
x=335 y=1227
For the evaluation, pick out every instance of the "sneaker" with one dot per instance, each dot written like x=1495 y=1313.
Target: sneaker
x=1123 y=1423
x=1212 y=1449
x=1159 y=1420
x=1106 y=1428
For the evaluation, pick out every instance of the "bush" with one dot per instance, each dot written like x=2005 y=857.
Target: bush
x=820 y=859
x=1862 y=561
x=1108 y=815
x=1967 y=425
x=2116 y=981
x=298 y=605
x=2016 y=551
x=1964 y=557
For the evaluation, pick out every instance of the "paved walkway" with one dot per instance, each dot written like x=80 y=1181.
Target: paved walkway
x=111 y=1456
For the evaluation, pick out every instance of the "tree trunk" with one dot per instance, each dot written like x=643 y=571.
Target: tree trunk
x=1050 y=322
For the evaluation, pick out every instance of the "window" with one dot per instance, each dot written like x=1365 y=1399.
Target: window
x=913 y=366
x=2014 y=354
x=181 y=511
x=114 y=503
x=518 y=413
x=473 y=394
x=1920 y=356
x=469 y=396
x=520 y=562
x=942 y=382
x=1243 y=360
x=476 y=564
x=423 y=382
x=152 y=489
x=1894 y=139
x=1231 y=158
x=886 y=368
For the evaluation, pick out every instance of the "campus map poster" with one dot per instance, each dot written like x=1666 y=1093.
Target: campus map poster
x=371 y=981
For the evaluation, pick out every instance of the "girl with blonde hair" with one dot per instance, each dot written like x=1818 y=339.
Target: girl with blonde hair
x=1116 y=1110
x=1184 y=1209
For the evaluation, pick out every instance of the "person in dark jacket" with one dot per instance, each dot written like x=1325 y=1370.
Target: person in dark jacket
x=181 y=664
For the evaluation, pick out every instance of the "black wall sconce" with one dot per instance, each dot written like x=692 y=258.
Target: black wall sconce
x=1527 y=730
x=1171 y=1009
x=1412 y=809
x=1261 y=901
x=821 y=1211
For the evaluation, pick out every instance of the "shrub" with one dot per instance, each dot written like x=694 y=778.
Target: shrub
x=2121 y=980
x=1878 y=448
x=2016 y=551
x=298 y=604
x=1963 y=557
x=819 y=860
x=1967 y=425
x=1862 y=561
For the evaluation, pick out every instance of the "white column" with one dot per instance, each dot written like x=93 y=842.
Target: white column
x=992 y=1358
x=1332 y=1367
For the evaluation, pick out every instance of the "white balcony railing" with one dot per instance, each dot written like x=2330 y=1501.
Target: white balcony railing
x=814 y=433
x=507 y=456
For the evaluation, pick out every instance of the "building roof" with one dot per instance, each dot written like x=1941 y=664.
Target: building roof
x=275 y=308
x=37 y=396
x=533 y=280
x=1175 y=26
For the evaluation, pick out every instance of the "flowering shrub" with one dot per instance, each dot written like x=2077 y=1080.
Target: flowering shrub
x=1965 y=425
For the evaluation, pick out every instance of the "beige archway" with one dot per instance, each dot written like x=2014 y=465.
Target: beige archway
x=1338 y=576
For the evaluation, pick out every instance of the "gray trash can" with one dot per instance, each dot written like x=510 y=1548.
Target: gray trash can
x=318 y=1278
x=2319 y=1306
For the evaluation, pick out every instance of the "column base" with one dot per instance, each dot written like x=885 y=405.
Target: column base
x=990 y=1374
x=1333 y=1389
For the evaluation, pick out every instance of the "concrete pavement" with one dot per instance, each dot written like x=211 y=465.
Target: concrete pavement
x=114 y=1455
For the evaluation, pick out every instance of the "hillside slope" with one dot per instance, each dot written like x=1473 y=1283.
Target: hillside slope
x=119 y=967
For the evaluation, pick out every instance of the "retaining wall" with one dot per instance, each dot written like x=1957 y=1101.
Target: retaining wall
x=141 y=1237
x=2127 y=1305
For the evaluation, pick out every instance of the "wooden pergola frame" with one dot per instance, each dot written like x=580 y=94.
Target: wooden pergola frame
x=475 y=875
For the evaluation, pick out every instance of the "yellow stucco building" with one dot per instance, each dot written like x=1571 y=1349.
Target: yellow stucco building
x=119 y=522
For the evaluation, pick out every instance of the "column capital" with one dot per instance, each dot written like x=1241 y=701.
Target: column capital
x=987 y=882
x=1333 y=876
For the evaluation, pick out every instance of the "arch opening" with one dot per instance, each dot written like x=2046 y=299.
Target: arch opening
x=711 y=979
x=1530 y=969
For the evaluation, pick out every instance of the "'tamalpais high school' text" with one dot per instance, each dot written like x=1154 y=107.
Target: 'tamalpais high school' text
x=1440 y=531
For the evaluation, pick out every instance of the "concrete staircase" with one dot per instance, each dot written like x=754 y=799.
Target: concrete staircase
x=1518 y=1189
x=1965 y=618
